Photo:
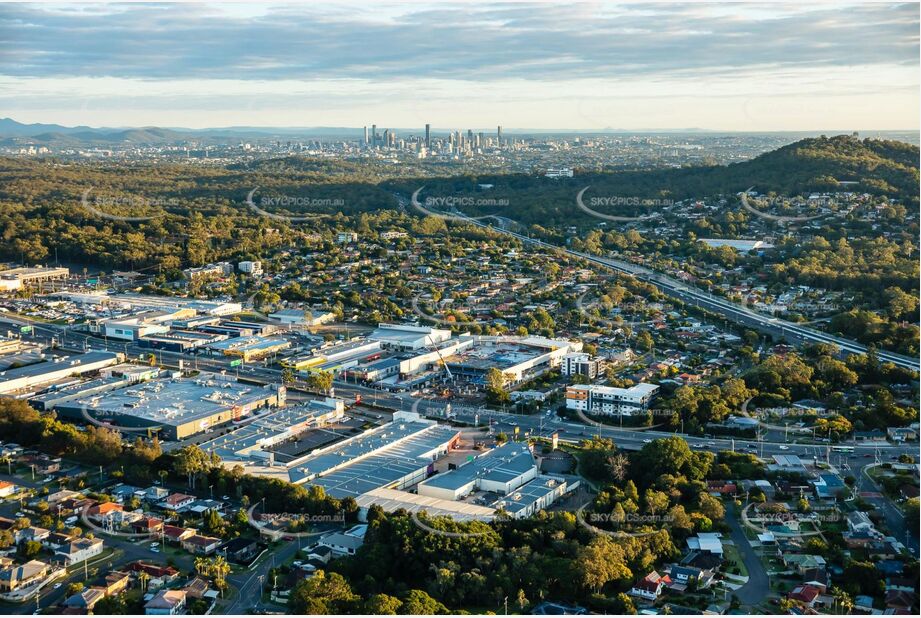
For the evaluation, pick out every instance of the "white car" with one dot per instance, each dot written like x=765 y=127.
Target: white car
x=155 y=550
x=58 y=585
x=785 y=448
x=647 y=441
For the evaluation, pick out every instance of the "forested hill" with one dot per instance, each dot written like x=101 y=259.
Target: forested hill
x=879 y=167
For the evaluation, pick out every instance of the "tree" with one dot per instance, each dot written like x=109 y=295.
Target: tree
x=29 y=549
x=600 y=562
x=324 y=593
x=710 y=507
x=191 y=461
x=287 y=375
x=143 y=578
x=219 y=571
x=382 y=605
x=419 y=603
x=644 y=341
x=669 y=456
x=320 y=380
x=111 y=606
x=495 y=386
x=618 y=465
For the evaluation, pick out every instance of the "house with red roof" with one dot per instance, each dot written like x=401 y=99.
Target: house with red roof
x=804 y=594
x=650 y=587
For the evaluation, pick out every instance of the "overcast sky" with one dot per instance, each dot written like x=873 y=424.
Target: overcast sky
x=589 y=66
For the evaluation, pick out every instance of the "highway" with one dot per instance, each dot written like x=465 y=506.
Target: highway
x=676 y=289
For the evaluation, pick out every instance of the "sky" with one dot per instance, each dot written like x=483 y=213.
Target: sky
x=586 y=66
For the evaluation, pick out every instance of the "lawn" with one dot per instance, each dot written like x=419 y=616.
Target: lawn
x=734 y=559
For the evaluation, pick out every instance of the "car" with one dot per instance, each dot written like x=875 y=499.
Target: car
x=785 y=448
x=155 y=550
x=57 y=585
x=701 y=445
x=867 y=455
x=225 y=498
x=647 y=441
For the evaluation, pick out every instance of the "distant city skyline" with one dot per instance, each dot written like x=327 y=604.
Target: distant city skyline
x=536 y=66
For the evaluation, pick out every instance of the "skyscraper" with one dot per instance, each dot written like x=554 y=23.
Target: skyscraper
x=366 y=136
x=428 y=136
x=373 y=135
x=499 y=134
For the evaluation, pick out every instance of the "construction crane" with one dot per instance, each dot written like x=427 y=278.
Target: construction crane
x=440 y=357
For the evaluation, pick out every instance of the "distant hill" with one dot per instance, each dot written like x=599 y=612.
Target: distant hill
x=880 y=166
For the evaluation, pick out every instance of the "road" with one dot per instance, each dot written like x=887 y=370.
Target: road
x=737 y=313
x=758 y=585
x=892 y=515
x=249 y=583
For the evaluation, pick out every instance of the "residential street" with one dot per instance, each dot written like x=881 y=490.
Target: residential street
x=759 y=585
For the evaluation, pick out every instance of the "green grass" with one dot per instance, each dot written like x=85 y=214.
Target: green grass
x=734 y=559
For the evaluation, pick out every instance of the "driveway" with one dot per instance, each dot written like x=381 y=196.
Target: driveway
x=759 y=584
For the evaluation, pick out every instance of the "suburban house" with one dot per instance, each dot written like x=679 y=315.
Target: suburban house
x=196 y=588
x=804 y=595
x=166 y=603
x=342 y=544
x=650 y=587
x=684 y=576
x=240 y=550
x=178 y=534
x=117 y=582
x=707 y=541
x=201 y=545
x=78 y=551
x=7 y=489
x=175 y=502
x=85 y=600
x=150 y=525
x=102 y=509
x=154 y=570
x=32 y=533
x=22 y=575
x=859 y=521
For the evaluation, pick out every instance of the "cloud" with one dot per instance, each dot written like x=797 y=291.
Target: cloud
x=586 y=65
x=477 y=42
